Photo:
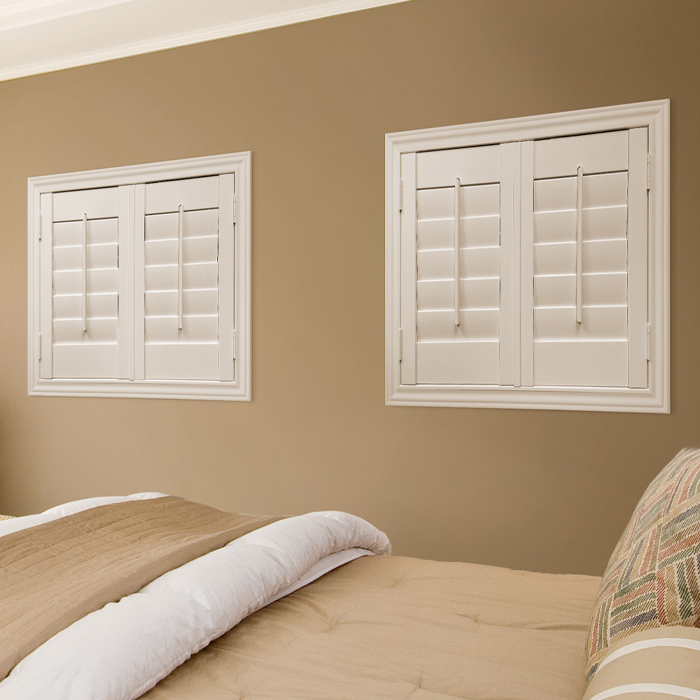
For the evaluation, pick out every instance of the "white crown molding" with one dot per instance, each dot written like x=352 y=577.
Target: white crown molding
x=24 y=13
x=40 y=36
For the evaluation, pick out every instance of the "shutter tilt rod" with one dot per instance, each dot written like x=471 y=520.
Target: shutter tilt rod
x=84 y=273
x=579 y=244
x=179 y=266
x=456 y=244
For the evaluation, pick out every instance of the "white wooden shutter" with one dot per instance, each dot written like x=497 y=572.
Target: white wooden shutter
x=607 y=346
x=463 y=335
x=185 y=277
x=83 y=322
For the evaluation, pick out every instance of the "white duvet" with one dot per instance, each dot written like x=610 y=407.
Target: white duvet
x=122 y=650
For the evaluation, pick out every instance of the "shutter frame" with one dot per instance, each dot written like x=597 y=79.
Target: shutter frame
x=407 y=323
x=227 y=265
x=509 y=159
x=527 y=240
x=46 y=283
x=638 y=272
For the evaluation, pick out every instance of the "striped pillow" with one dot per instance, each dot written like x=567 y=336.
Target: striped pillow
x=652 y=578
x=659 y=664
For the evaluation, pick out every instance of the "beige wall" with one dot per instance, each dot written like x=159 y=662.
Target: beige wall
x=531 y=489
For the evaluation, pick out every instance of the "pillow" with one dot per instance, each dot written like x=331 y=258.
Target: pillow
x=652 y=578
x=7 y=517
x=659 y=664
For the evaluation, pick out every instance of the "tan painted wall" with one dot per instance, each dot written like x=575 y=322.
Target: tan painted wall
x=531 y=489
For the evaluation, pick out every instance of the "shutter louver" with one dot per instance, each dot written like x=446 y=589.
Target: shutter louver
x=602 y=349
x=437 y=349
x=81 y=283
x=181 y=265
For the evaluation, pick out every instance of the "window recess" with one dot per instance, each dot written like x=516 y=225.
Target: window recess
x=140 y=281
x=527 y=262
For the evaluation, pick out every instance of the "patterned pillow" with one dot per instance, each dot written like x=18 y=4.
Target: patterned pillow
x=653 y=577
x=7 y=517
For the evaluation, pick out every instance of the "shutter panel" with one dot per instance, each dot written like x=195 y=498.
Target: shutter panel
x=606 y=347
x=458 y=336
x=183 y=275
x=82 y=284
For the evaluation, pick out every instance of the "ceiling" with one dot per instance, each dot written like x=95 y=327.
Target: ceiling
x=39 y=36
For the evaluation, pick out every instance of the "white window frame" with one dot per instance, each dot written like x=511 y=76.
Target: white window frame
x=238 y=390
x=654 y=399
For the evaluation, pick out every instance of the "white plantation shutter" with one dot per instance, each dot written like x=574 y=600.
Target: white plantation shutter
x=456 y=324
x=83 y=317
x=185 y=279
x=607 y=263
x=527 y=262
x=132 y=288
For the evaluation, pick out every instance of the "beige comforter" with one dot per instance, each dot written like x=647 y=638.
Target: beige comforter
x=398 y=628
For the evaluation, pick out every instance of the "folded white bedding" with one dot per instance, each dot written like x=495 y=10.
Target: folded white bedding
x=122 y=650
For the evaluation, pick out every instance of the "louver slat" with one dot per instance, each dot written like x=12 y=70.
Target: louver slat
x=197 y=302
x=475 y=293
x=598 y=289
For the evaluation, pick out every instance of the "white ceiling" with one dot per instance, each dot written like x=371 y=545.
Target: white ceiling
x=39 y=36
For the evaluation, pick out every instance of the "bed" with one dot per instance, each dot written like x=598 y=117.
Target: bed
x=152 y=596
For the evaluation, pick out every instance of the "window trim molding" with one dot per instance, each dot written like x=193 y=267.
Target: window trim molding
x=238 y=390
x=654 y=115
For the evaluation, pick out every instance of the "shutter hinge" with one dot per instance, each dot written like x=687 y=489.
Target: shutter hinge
x=648 y=341
x=648 y=171
x=400 y=345
x=41 y=224
x=38 y=350
x=235 y=208
x=400 y=195
x=235 y=343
